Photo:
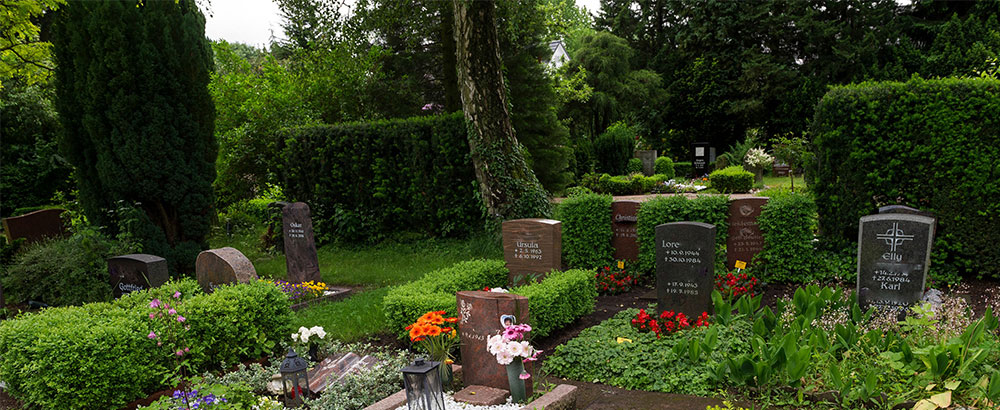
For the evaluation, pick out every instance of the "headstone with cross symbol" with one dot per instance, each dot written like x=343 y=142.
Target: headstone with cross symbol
x=894 y=254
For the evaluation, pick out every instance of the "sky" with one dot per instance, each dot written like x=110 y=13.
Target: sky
x=254 y=22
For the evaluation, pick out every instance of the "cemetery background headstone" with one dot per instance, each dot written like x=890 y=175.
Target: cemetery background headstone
x=624 y=222
x=300 y=243
x=648 y=158
x=685 y=267
x=700 y=158
x=894 y=254
x=35 y=226
x=903 y=209
x=216 y=267
x=479 y=317
x=129 y=273
x=531 y=247
x=744 y=239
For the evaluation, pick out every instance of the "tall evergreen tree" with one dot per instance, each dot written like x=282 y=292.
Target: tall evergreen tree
x=138 y=120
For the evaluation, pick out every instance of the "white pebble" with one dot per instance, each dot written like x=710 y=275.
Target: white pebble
x=450 y=404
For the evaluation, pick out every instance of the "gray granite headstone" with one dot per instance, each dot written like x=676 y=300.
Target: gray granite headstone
x=300 y=244
x=894 y=254
x=129 y=273
x=648 y=158
x=222 y=266
x=685 y=267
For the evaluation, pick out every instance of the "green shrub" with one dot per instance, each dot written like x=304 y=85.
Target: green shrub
x=733 y=180
x=364 y=181
x=634 y=184
x=586 y=230
x=712 y=209
x=930 y=144
x=665 y=167
x=683 y=169
x=559 y=299
x=614 y=148
x=577 y=191
x=64 y=272
x=246 y=213
x=789 y=254
x=436 y=291
x=634 y=166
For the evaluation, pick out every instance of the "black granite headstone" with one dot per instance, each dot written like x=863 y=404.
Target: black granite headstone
x=129 y=273
x=894 y=254
x=685 y=267
x=700 y=158
x=300 y=244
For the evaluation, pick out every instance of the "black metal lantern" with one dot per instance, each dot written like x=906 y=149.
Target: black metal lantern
x=294 y=379
x=423 y=385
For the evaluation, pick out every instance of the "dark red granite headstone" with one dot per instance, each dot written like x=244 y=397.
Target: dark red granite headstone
x=300 y=245
x=532 y=247
x=35 y=226
x=216 y=267
x=129 y=273
x=479 y=318
x=744 y=239
x=624 y=238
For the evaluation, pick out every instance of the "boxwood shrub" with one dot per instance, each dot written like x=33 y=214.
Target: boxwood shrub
x=731 y=180
x=586 y=230
x=634 y=184
x=634 y=166
x=929 y=144
x=711 y=209
x=98 y=356
x=683 y=169
x=559 y=299
x=789 y=253
x=664 y=166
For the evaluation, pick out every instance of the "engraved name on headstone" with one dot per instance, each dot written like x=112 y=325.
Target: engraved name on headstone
x=893 y=259
x=744 y=239
x=532 y=247
x=300 y=245
x=129 y=273
x=685 y=267
x=624 y=236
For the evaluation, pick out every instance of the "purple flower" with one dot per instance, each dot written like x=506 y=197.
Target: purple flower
x=181 y=318
x=152 y=315
x=151 y=335
x=154 y=304
x=172 y=312
x=177 y=295
x=180 y=353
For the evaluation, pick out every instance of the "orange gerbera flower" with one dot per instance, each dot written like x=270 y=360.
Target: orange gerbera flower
x=433 y=331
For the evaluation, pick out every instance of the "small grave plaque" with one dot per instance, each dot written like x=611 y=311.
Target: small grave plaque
x=35 y=226
x=685 y=267
x=300 y=245
x=532 y=247
x=648 y=158
x=129 y=273
x=481 y=315
x=624 y=238
x=894 y=254
x=744 y=239
x=216 y=267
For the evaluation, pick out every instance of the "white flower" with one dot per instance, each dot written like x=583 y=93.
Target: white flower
x=295 y=337
x=493 y=343
x=757 y=158
x=304 y=333
x=504 y=358
x=515 y=349
x=318 y=331
x=526 y=348
x=498 y=290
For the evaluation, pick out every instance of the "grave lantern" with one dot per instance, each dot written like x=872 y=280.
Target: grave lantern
x=294 y=379
x=423 y=385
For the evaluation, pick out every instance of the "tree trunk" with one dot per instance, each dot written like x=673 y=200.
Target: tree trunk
x=508 y=186
x=452 y=96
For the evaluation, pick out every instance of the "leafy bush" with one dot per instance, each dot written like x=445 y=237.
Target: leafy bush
x=930 y=144
x=665 y=166
x=559 y=299
x=789 y=255
x=633 y=184
x=614 y=148
x=733 y=180
x=246 y=213
x=586 y=230
x=657 y=211
x=577 y=191
x=683 y=169
x=364 y=181
x=436 y=291
x=63 y=272
x=634 y=166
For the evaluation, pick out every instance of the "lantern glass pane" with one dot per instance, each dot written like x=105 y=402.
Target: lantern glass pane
x=303 y=381
x=414 y=390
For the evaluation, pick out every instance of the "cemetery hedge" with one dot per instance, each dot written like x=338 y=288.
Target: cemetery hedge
x=634 y=184
x=664 y=166
x=789 y=254
x=928 y=144
x=634 y=166
x=586 y=230
x=559 y=299
x=683 y=169
x=98 y=355
x=710 y=209
x=364 y=181
x=731 y=180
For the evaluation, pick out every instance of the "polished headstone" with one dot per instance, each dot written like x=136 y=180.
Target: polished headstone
x=744 y=239
x=480 y=316
x=532 y=247
x=35 y=226
x=221 y=266
x=624 y=238
x=130 y=273
x=894 y=255
x=685 y=267
x=300 y=244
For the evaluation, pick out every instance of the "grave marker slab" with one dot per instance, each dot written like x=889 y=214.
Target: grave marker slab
x=648 y=158
x=744 y=239
x=35 y=226
x=479 y=317
x=624 y=222
x=894 y=254
x=532 y=247
x=216 y=267
x=300 y=244
x=685 y=267
x=903 y=209
x=129 y=273
x=700 y=158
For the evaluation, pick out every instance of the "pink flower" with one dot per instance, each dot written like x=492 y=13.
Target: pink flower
x=177 y=295
x=172 y=312
x=154 y=304
x=181 y=318
x=151 y=335
x=152 y=315
x=187 y=349
x=159 y=343
x=524 y=376
x=180 y=353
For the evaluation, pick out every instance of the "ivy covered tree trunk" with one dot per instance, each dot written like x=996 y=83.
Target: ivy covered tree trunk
x=507 y=184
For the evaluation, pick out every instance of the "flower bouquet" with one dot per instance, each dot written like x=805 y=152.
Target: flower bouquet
x=305 y=338
x=614 y=281
x=430 y=334
x=512 y=350
x=732 y=285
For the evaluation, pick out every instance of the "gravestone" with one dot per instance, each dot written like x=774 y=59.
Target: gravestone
x=129 y=273
x=648 y=158
x=903 y=209
x=894 y=254
x=216 y=267
x=300 y=244
x=532 y=247
x=481 y=315
x=700 y=158
x=685 y=267
x=744 y=239
x=624 y=238
x=35 y=226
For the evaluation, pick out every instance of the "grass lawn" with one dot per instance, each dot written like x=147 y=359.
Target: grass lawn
x=776 y=182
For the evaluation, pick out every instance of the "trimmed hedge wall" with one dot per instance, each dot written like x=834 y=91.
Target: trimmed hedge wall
x=789 y=254
x=711 y=209
x=586 y=230
x=98 y=356
x=363 y=181
x=683 y=169
x=731 y=180
x=634 y=184
x=559 y=299
x=929 y=144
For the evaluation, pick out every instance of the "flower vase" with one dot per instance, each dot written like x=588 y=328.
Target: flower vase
x=447 y=375
x=314 y=352
x=517 y=390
